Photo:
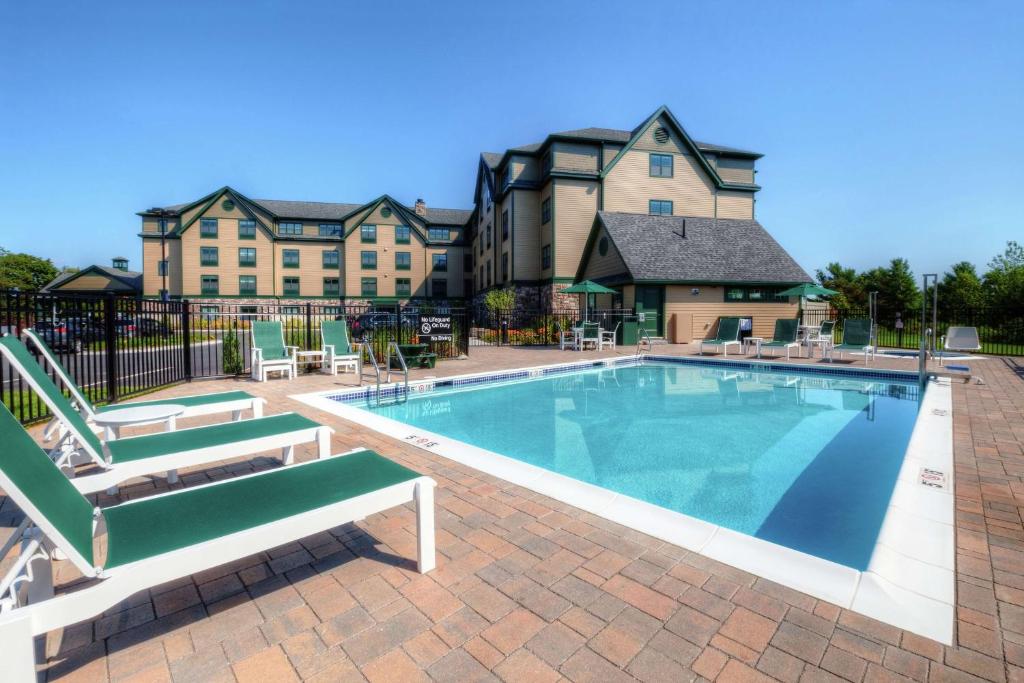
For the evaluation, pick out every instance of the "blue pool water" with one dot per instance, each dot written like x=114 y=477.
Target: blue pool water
x=806 y=461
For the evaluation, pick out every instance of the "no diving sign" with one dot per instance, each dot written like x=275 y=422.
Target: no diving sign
x=935 y=479
x=436 y=328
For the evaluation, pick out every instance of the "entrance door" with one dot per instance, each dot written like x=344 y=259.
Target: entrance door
x=650 y=300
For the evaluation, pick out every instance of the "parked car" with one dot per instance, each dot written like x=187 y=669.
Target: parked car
x=84 y=330
x=151 y=327
x=125 y=327
x=56 y=335
x=380 y=320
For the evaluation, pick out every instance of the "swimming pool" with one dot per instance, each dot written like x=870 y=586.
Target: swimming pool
x=803 y=476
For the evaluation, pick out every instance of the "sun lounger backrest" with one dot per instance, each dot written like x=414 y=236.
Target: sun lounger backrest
x=786 y=330
x=962 y=339
x=267 y=336
x=43 y=492
x=33 y=373
x=826 y=328
x=857 y=332
x=335 y=333
x=59 y=368
x=729 y=328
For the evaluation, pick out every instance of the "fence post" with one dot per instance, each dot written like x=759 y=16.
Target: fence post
x=309 y=327
x=186 y=339
x=110 y=342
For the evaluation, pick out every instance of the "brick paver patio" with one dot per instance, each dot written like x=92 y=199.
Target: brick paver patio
x=528 y=588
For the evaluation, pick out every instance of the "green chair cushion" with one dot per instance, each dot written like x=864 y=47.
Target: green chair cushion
x=27 y=365
x=32 y=472
x=268 y=337
x=786 y=330
x=152 y=526
x=166 y=443
x=187 y=401
x=856 y=333
x=335 y=334
x=54 y=360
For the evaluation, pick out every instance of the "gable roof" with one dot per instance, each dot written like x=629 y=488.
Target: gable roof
x=128 y=278
x=719 y=250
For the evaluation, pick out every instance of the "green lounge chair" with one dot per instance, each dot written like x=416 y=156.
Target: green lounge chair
x=269 y=352
x=728 y=335
x=338 y=350
x=122 y=459
x=150 y=541
x=203 y=404
x=856 y=337
x=784 y=337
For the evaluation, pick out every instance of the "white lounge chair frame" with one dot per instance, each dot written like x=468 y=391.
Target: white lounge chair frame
x=25 y=614
x=345 y=360
x=960 y=339
x=262 y=367
x=608 y=336
x=73 y=443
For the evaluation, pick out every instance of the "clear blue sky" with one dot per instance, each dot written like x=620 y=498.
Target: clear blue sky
x=889 y=129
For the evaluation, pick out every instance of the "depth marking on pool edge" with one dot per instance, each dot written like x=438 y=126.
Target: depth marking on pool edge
x=935 y=479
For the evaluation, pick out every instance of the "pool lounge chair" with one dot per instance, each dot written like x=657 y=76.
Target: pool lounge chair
x=856 y=337
x=203 y=404
x=338 y=350
x=784 y=337
x=961 y=339
x=728 y=335
x=591 y=335
x=150 y=541
x=137 y=456
x=269 y=352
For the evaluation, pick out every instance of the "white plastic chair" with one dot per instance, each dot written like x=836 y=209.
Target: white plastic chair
x=961 y=339
x=608 y=337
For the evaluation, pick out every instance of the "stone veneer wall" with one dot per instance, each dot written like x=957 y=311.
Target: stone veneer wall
x=540 y=297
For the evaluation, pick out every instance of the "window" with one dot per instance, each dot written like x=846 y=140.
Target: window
x=330 y=310
x=402 y=234
x=755 y=294
x=602 y=246
x=210 y=313
x=440 y=262
x=490 y=234
x=504 y=267
x=403 y=286
x=247 y=285
x=289 y=228
x=208 y=256
x=368 y=286
x=209 y=284
x=291 y=310
x=659 y=207
x=161 y=267
x=545 y=211
x=291 y=258
x=246 y=230
x=403 y=260
x=545 y=256
x=246 y=257
x=661 y=165
x=439 y=289
x=330 y=229
x=439 y=234
x=368 y=260
x=330 y=258
x=482 y=285
x=368 y=233
x=505 y=225
x=332 y=286
x=207 y=227
x=291 y=286
x=467 y=263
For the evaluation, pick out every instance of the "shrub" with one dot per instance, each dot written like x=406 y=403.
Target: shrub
x=232 y=356
x=500 y=299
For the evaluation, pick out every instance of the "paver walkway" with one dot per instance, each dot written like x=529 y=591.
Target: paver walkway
x=528 y=588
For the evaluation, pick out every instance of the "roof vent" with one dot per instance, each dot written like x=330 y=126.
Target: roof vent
x=661 y=135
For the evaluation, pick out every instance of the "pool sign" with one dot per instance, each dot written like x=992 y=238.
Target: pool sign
x=436 y=328
x=935 y=479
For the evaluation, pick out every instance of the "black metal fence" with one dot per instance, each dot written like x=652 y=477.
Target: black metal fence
x=519 y=327
x=1000 y=330
x=118 y=347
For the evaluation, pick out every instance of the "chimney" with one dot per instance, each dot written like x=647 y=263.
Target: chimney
x=120 y=262
x=421 y=207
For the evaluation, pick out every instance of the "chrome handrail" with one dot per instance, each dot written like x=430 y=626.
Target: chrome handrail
x=376 y=366
x=640 y=341
x=401 y=361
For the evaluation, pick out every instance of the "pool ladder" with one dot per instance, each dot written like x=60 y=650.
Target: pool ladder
x=387 y=359
x=640 y=341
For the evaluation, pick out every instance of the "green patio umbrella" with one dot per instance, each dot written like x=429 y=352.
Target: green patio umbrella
x=586 y=288
x=805 y=290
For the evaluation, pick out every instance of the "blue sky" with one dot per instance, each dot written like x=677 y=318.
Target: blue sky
x=889 y=129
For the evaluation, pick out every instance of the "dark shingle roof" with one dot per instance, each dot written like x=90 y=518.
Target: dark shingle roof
x=607 y=134
x=130 y=278
x=491 y=158
x=331 y=211
x=713 y=249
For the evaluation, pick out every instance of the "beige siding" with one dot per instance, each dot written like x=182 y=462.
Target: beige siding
x=735 y=204
x=526 y=236
x=576 y=206
x=311 y=271
x=93 y=282
x=546 y=231
x=610 y=151
x=152 y=282
x=603 y=266
x=646 y=141
x=575 y=156
x=524 y=168
x=736 y=170
x=150 y=224
x=709 y=305
x=629 y=186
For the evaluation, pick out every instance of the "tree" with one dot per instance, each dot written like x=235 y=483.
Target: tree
x=961 y=288
x=897 y=290
x=845 y=281
x=1004 y=281
x=24 y=271
x=500 y=299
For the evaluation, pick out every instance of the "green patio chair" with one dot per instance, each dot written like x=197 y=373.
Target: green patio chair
x=784 y=337
x=170 y=536
x=856 y=337
x=195 y=405
x=591 y=335
x=338 y=350
x=728 y=335
x=269 y=352
x=122 y=459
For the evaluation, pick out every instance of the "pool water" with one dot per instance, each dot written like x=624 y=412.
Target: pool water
x=805 y=461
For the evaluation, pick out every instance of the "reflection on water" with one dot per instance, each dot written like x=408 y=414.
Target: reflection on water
x=806 y=461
